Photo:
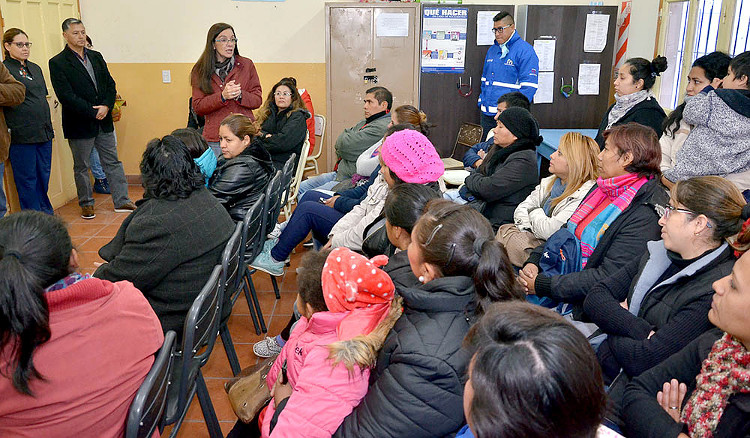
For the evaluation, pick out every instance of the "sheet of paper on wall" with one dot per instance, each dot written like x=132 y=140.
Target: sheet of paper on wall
x=485 y=35
x=393 y=24
x=546 y=91
x=545 y=50
x=595 y=37
x=588 y=79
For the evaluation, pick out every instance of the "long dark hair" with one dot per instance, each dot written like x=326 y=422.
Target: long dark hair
x=8 y=38
x=459 y=241
x=641 y=68
x=411 y=115
x=405 y=204
x=35 y=252
x=168 y=171
x=200 y=75
x=714 y=65
x=297 y=102
x=533 y=375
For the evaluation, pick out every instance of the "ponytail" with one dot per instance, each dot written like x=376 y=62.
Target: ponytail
x=459 y=241
x=34 y=253
x=494 y=278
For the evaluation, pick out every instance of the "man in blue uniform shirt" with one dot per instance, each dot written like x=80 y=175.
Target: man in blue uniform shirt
x=510 y=65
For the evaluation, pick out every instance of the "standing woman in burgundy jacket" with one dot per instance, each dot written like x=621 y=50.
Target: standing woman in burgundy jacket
x=223 y=83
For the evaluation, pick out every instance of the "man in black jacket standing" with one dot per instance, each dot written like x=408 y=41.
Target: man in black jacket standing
x=87 y=93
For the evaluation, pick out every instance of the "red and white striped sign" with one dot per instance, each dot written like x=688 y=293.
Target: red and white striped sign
x=622 y=34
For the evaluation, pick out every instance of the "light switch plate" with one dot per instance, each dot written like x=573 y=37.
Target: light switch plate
x=166 y=76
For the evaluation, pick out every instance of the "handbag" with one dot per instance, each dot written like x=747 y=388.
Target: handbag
x=248 y=392
x=376 y=240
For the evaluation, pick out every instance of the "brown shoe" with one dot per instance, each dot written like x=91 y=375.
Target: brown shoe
x=128 y=207
x=87 y=212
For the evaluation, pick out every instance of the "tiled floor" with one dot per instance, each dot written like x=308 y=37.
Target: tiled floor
x=90 y=235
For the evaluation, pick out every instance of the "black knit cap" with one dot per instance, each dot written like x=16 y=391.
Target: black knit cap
x=521 y=123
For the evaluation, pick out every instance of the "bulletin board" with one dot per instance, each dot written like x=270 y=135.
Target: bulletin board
x=584 y=41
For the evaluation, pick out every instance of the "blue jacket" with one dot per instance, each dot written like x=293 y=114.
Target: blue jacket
x=472 y=156
x=352 y=197
x=516 y=72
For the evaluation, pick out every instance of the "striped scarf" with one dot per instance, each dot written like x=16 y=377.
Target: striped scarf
x=618 y=192
x=726 y=371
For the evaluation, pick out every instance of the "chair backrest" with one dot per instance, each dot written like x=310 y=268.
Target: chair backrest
x=300 y=171
x=469 y=134
x=147 y=409
x=230 y=262
x=272 y=206
x=320 y=131
x=287 y=175
x=252 y=233
x=199 y=334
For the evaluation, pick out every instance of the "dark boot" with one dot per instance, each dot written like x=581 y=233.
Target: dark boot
x=101 y=186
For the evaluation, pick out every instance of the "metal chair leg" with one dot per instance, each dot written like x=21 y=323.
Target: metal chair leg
x=275 y=287
x=212 y=422
x=226 y=339
x=254 y=295
x=246 y=282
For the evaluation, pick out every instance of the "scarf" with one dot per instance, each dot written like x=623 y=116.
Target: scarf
x=497 y=154
x=223 y=68
x=504 y=47
x=726 y=371
x=66 y=281
x=618 y=192
x=623 y=104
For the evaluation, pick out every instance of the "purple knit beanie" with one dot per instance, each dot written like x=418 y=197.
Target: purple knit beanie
x=411 y=156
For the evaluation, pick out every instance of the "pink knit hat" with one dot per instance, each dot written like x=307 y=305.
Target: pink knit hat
x=411 y=156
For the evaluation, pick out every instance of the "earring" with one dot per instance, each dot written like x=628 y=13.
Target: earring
x=421 y=279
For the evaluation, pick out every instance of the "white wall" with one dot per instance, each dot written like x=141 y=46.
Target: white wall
x=291 y=31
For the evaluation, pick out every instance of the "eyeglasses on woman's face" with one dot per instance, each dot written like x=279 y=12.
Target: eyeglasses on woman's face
x=21 y=45
x=282 y=94
x=666 y=210
x=226 y=40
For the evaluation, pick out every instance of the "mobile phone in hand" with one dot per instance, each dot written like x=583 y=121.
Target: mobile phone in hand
x=322 y=200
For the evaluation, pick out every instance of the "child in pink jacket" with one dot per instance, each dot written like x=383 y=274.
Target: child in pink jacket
x=347 y=312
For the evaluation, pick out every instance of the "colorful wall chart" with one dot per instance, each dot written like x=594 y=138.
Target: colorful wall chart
x=444 y=40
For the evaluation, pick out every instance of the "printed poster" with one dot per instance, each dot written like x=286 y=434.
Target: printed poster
x=444 y=39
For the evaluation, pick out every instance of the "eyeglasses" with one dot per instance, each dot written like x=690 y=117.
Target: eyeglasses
x=20 y=44
x=226 y=41
x=665 y=210
x=500 y=29
x=282 y=93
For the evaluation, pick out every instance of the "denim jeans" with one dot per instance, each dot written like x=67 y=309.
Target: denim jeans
x=31 y=167
x=310 y=215
x=96 y=165
x=324 y=181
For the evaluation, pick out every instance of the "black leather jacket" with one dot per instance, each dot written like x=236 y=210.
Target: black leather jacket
x=238 y=182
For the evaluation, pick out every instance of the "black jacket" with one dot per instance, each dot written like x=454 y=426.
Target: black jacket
x=29 y=122
x=399 y=269
x=77 y=94
x=505 y=186
x=677 y=312
x=416 y=388
x=624 y=240
x=644 y=417
x=647 y=112
x=167 y=249
x=288 y=133
x=238 y=182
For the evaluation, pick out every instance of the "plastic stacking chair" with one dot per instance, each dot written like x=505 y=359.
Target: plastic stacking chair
x=147 y=409
x=252 y=242
x=291 y=194
x=231 y=260
x=320 y=130
x=198 y=339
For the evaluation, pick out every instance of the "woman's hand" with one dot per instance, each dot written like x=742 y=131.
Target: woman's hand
x=280 y=391
x=231 y=90
x=330 y=202
x=527 y=277
x=670 y=398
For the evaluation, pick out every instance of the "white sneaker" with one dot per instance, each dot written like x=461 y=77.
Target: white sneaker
x=267 y=347
x=277 y=230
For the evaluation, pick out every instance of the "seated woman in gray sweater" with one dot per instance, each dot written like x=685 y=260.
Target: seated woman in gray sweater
x=719 y=143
